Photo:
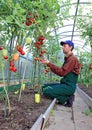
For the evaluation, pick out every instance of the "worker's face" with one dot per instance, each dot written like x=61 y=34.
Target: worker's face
x=66 y=48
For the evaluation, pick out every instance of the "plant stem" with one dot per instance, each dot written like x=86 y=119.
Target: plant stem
x=5 y=89
x=24 y=71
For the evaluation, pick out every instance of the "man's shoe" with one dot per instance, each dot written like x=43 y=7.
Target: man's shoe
x=70 y=101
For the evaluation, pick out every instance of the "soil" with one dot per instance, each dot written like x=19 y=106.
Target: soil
x=87 y=90
x=24 y=113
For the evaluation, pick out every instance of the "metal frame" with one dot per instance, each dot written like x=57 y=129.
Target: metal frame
x=73 y=31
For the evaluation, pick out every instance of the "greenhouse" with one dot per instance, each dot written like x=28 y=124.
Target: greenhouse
x=34 y=35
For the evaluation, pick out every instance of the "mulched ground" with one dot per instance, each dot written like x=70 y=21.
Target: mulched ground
x=24 y=113
x=87 y=90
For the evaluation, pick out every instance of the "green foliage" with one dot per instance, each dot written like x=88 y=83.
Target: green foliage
x=84 y=24
x=13 y=17
x=47 y=15
x=52 y=112
x=85 y=73
x=88 y=112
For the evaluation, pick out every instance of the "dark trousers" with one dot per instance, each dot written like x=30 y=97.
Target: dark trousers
x=60 y=91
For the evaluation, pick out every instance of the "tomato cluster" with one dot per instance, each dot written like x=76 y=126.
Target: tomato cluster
x=36 y=59
x=4 y=52
x=46 y=71
x=42 y=52
x=12 y=66
x=20 y=49
x=29 y=19
x=41 y=38
x=38 y=45
x=15 y=58
x=40 y=42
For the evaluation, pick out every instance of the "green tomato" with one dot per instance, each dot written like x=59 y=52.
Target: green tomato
x=4 y=52
x=16 y=92
x=22 y=11
x=18 y=32
x=28 y=40
x=17 y=5
x=12 y=29
x=24 y=34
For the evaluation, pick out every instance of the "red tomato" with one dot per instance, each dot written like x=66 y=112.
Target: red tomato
x=20 y=49
x=5 y=57
x=28 y=23
x=14 y=69
x=38 y=43
x=40 y=54
x=41 y=42
x=12 y=64
x=27 y=18
x=1 y=48
x=11 y=68
x=22 y=52
x=10 y=60
x=38 y=46
x=41 y=38
x=32 y=20
x=43 y=51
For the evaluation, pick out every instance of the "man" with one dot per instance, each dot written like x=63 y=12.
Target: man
x=64 y=91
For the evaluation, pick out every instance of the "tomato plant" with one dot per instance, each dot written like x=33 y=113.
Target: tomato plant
x=25 y=22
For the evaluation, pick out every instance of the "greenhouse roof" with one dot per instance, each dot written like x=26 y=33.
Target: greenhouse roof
x=68 y=31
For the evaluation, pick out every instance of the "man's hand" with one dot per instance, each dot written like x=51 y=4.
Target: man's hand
x=44 y=61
